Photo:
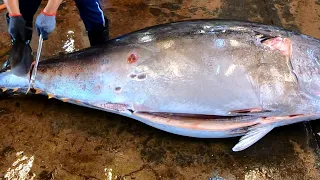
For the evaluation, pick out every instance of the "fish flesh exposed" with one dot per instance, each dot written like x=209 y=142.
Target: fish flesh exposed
x=196 y=78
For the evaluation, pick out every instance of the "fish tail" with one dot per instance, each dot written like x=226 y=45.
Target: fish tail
x=11 y=84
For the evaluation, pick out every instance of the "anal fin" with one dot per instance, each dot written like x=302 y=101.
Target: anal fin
x=252 y=136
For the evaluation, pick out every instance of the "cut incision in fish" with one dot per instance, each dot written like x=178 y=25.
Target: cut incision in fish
x=278 y=43
x=250 y=110
x=198 y=122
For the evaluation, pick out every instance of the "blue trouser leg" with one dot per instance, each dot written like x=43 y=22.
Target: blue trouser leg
x=91 y=14
x=94 y=21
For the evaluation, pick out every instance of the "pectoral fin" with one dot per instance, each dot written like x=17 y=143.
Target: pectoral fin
x=255 y=134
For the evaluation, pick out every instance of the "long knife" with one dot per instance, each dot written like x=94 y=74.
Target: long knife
x=35 y=67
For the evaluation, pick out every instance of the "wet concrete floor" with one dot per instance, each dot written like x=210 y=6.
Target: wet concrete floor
x=49 y=139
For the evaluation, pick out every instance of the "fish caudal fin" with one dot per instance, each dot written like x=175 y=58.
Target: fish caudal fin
x=252 y=136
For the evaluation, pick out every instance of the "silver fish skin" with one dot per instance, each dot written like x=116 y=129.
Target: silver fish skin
x=197 y=78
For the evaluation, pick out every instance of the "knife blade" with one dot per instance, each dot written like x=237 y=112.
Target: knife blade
x=35 y=67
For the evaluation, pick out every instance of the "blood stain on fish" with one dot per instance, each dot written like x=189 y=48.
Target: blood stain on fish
x=295 y=115
x=132 y=58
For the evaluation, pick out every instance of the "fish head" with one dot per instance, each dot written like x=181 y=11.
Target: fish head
x=305 y=61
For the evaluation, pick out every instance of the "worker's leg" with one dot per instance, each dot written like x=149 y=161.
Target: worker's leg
x=27 y=9
x=94 y=20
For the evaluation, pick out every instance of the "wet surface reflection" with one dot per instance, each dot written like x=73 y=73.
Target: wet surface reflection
x=69 y=45
x=49 y=139
x=21 y=167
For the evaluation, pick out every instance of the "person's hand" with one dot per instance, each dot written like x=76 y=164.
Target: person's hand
x=17 y=27
x=45 y=24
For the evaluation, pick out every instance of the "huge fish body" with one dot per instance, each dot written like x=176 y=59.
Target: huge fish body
x=197 y=78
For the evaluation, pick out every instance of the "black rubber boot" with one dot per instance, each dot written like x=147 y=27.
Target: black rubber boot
x=99 y=36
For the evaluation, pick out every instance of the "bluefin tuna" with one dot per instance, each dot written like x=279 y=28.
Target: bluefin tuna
x=196 y=78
